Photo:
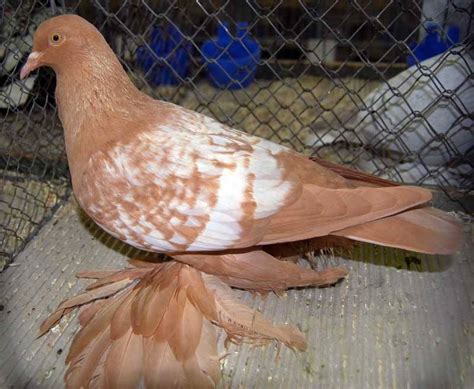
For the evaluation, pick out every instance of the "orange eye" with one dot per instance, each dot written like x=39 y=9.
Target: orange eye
x=55 y=38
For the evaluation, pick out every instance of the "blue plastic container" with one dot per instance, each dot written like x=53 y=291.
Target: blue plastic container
x=231 y=62
x=433 y=43
x=166 y=61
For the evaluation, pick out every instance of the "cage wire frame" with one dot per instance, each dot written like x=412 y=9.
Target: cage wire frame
x=308 y=98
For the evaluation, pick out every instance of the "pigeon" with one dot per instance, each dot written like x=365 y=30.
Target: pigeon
x=169 y=180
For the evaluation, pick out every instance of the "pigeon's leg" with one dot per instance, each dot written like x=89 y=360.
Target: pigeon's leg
x=255 y=269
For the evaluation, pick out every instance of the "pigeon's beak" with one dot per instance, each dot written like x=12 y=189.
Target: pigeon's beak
x=31 y=64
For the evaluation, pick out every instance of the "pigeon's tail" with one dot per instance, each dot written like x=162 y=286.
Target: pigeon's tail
x=424 y=230
x=258 y=270
x=154 y=323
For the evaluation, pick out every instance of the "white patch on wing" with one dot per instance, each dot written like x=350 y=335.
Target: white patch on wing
x=223 y=229
x=120 y=158
x=108 y=168
x=146 y=224
x=220 y=216
x=129 y=197
x=153 y=238
x=207 y=168
x=184 y=170
x=175 y=221
x=94 y=209
x=193 y=222
x=220 y=140
x=232 y=185
x=151 y=166
x=137 y=229
x=212 y=125
x=271 y=146
x=230 y=197
x=124 y=217
x=178 y=239
x=185 y=209
x=270 y=190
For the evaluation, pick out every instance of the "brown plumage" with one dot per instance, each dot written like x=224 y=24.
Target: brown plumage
x=169 y=180
x=267 y=274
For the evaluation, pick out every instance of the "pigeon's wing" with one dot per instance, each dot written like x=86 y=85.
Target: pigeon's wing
x=193 y=184
x=190 y=184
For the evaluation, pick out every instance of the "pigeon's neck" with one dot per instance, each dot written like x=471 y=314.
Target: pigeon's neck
x=93 y=86
x=94 y=101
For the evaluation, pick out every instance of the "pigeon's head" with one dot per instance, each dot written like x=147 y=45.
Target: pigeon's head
x=64 y=42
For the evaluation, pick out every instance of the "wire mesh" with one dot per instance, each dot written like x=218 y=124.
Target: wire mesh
x=331 y=80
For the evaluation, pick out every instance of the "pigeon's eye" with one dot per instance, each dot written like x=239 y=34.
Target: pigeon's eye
x=55 y=38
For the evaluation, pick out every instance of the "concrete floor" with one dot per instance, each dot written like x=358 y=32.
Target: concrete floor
x=397 y=321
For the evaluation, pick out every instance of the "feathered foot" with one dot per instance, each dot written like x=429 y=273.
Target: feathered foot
x=255 y=269
x=151 y=324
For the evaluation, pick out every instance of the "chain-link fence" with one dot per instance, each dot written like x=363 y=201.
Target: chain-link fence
x=385 y=86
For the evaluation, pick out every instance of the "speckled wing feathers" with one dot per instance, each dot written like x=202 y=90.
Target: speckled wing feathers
x=194 y=185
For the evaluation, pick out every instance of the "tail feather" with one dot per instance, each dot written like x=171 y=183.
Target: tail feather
x=425 y=230
x=172 y=342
